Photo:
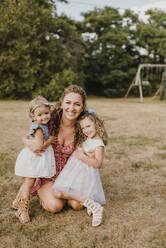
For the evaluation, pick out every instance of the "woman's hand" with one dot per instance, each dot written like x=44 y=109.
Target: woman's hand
x=32 y=144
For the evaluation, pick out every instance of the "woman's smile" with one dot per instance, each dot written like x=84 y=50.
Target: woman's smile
x=72 y=106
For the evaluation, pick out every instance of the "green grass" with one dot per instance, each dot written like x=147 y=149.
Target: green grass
x=108 y=118
x=134 y=140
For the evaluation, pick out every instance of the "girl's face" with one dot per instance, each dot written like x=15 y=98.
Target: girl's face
x=72 y=106
x=88 y=128
x=42 y=115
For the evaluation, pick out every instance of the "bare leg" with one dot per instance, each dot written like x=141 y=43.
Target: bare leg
x=76 y=205
x=51 y=202
x=27 y=186
x=66 y=196
x=48 y=199
x=24 y=192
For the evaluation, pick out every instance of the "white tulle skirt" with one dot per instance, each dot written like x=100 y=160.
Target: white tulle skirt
x=80 y=181
x=28 y=164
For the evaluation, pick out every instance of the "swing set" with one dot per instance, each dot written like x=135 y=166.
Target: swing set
x=137 y=81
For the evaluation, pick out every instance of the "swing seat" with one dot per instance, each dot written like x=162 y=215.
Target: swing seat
x=146 y=83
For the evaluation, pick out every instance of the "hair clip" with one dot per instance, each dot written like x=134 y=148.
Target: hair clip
x=91 y=111
x=48 y=104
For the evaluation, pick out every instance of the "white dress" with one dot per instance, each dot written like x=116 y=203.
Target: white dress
x=28 y=164
x=78 y=179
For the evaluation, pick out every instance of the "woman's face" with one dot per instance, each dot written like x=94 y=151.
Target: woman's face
x=72 y=106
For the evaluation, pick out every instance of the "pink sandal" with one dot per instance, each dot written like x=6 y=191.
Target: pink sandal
x=23 y=211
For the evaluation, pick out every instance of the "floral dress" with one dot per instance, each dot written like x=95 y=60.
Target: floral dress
x=62 y=154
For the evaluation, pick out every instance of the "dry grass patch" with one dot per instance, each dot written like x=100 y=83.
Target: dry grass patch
x=133 y=174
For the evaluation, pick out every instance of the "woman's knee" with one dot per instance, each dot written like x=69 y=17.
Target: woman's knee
x=58 y=194
x=48 y=199
x=53 y=205
x=75 y=204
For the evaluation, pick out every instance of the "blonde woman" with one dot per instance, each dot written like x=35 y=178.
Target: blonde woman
x=63 y=125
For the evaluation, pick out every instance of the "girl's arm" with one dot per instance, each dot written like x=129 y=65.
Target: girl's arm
x=30 y=143
x=95 y=160
x=38 y=138
x=38 y=144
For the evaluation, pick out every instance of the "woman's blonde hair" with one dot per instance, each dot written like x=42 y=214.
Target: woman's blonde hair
x=57 y=113
x=35 y=103
x=99 y=124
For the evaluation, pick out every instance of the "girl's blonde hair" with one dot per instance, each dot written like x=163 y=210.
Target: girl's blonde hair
x=99 y=124
x=37 y=102
x=57 y=113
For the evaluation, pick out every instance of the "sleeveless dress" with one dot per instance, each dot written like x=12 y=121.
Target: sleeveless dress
x=28 y=164
x=78 y=179
x=61 y=154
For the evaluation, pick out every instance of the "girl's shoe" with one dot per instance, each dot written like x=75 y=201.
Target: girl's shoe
x=96 y=209
x=23 y=211
x=89 y=212
x=16 y=202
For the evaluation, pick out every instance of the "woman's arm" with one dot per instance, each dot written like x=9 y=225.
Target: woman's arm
x=37 y=145
x=30 y=143
x=51 y=140
x=95 y=160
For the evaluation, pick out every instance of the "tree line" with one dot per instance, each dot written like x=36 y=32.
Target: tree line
x=42 y=52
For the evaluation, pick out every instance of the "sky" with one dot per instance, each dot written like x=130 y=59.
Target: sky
x=74 y=8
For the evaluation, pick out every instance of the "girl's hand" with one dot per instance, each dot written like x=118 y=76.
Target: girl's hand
x=79 y=154
x=90 y=154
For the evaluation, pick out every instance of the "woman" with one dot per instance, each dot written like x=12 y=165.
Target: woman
x=63 y=125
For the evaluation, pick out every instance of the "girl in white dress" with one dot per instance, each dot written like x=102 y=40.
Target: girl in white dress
x=80 y=179
x=30 y=165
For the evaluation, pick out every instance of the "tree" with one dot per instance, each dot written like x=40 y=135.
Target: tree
x=109 y=51
x=35 y=45
x=23 y=52
x=151 y=37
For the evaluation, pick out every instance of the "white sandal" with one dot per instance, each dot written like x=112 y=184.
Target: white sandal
x=96 y=209
x=89 y=211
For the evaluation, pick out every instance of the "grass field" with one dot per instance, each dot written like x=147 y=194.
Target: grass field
x=133 y=175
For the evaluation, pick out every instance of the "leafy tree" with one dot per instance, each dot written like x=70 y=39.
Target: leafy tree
x=35 y=44
x=23 y=53
x=109 y=51
x=151 y=36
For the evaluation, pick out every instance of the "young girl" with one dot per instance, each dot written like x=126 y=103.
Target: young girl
x=80 y=178
x=31 y=165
